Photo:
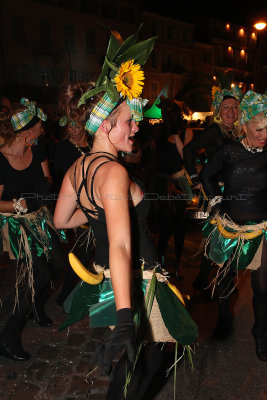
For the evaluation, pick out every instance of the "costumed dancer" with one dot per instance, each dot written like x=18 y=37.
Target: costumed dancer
x=27 y=232
x=77 y=142
x=236 y=235
x=222 y=131
x=114 y=205
x=174 y=136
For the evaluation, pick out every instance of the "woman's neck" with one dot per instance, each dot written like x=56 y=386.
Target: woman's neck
x=103 y=147
x=16 y=149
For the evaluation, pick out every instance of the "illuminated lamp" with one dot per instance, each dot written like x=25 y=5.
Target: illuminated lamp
x=227 y=26
x=253 y=35
x=242 y=52
x=214 y=77
x=260 y=26
x=241 y=32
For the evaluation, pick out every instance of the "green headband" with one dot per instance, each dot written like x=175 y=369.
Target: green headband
x=219 y=94
x=252 y=104
x=23 y=119
x=66 y=121
x=121 y=78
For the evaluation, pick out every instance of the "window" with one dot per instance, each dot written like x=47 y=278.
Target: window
x=170 y=32
x=128 y=15
x=45 y=35
x=18 y=28
x=45 y=78
x=184 y=36
x=91 y=7
x=68 y=38
x=154 y=90
x=109 y=10
x=90 y=42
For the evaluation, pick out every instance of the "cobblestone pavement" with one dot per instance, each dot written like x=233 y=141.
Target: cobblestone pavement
x=58 y=369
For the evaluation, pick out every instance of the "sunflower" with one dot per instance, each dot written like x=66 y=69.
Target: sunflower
x=129 y=80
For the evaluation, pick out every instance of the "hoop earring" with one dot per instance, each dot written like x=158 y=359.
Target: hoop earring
x=218 y=119
x=32 y=142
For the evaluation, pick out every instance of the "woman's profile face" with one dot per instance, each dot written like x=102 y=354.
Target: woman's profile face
x=256 y=131
x=75 y=132
x=122 y=134
x=229 y=112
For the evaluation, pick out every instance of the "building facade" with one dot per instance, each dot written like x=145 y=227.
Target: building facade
x=46 y=42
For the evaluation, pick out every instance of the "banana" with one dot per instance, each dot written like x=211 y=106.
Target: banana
x=234 y=235
x=176 y=292
x=83 y=273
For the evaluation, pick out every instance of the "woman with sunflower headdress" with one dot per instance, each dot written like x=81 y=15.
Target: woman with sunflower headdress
x=114 y=204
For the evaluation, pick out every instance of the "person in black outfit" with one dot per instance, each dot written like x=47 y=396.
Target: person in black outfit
x=174 y=136
x=27 y=231
x=221 y=132
x=243 y=208
x=77 y=142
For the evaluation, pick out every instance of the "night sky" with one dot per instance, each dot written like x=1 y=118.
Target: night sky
x=241 y=12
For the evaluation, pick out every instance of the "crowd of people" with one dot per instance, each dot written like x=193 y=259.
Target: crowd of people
x=102 y=207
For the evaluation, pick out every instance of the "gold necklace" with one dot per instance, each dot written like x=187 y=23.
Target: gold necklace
x=79 y=148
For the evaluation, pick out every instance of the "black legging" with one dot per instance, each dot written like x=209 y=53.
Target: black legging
x=148 y=364
x=259 y=287
x=43 y=273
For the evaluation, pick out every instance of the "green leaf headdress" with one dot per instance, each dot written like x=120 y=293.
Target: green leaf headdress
x=121 y=78
x=224 y=89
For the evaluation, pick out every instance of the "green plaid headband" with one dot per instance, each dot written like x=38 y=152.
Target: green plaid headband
x=104 y=107
x=252 y=104
x=20 y=120
x=220 y=94
x=66 y=121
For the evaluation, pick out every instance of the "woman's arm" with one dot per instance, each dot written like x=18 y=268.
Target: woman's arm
x=66 y=214
x=112 y=183
x=213 y=166
x=47 y=173
x=7 y=205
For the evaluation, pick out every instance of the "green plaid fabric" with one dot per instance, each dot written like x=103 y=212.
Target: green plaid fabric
x=99 y=113
x=136 y=106
x=220 y=94
x=252 y=104
x=104 y=108
x=66 y=121
x=21 y=119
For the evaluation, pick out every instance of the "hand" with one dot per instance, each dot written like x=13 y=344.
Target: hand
x=122 y=335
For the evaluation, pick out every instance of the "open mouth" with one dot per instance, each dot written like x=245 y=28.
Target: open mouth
x=131 y=138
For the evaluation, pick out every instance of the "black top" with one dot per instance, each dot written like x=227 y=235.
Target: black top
x=142 y=244
x=66 y=153
x=245 y=182
x=17 y=183
x=211 y=139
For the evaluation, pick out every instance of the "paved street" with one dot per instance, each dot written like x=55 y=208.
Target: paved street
x=59 y=365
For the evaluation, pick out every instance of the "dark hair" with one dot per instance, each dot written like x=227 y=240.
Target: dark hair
x=68 y=99
x=228 y=97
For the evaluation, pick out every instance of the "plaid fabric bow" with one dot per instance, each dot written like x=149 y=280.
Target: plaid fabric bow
x=23 y=118
x=220 y=94
x=66 y=121
x=252 y=104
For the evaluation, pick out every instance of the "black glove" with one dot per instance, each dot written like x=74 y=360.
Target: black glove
x=122 y=335
x=195 y=180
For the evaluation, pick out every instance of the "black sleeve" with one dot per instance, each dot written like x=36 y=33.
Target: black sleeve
x=213 y=167
x=203 y=140
x=2 y=168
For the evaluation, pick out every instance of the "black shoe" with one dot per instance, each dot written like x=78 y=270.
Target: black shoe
x=12 y=348
x=41 y=319
x=261 y=346
x=223 y=328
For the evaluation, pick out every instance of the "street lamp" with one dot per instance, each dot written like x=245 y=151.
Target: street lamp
x=260 y=26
